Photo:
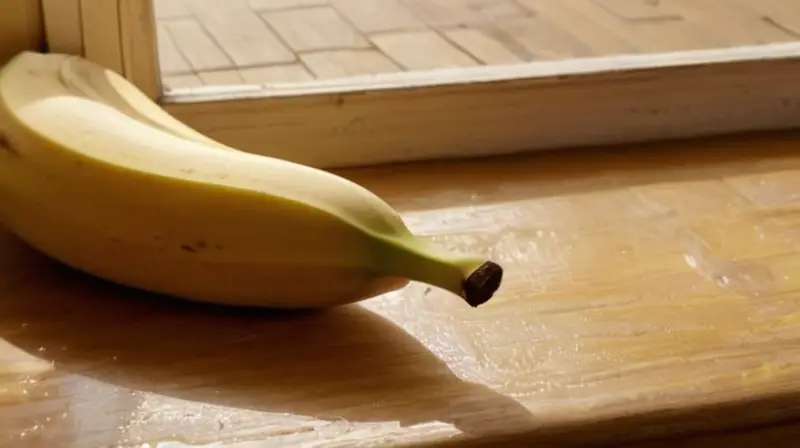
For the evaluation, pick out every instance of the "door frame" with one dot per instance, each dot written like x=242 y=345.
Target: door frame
x=453 y=113
x=21 y=27
x=117 y=34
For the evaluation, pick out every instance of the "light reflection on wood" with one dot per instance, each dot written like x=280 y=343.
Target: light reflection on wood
x=650 y=291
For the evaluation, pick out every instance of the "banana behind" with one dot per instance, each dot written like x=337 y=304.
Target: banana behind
x=98 y=177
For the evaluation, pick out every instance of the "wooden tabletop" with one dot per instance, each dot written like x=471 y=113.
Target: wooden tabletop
x=651 y=291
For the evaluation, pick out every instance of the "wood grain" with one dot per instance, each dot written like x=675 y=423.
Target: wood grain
x=456 y=113
x=63 y=26
x=100 y=22
x=461 y=109
x=21 y=27
x=139 y=46
x=649 y=294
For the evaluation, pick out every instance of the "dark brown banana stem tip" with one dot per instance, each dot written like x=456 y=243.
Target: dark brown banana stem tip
x=481 y=285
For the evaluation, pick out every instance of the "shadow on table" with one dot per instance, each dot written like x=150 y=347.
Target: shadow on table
x=344 y=363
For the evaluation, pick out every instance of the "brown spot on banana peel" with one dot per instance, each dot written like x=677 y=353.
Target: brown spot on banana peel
x=5 y=145
x=481 y=285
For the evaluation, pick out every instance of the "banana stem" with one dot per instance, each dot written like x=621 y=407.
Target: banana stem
x=474 y=280
x=481 y=284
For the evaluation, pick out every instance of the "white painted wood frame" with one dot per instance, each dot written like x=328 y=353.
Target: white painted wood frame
x=458 y=112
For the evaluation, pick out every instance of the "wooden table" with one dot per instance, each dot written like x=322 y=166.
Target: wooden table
x=650 y=292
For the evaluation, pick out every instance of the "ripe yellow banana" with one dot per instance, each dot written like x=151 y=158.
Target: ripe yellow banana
x=95 y=175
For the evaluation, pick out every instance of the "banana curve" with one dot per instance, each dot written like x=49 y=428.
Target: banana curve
x=66 y=137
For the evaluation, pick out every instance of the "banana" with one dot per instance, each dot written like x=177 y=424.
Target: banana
x=84 y=78
x=98 y=177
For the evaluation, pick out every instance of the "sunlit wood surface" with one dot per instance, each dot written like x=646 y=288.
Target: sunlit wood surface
x=650 y=292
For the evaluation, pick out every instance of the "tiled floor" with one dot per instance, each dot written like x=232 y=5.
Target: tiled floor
x=264 y=41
